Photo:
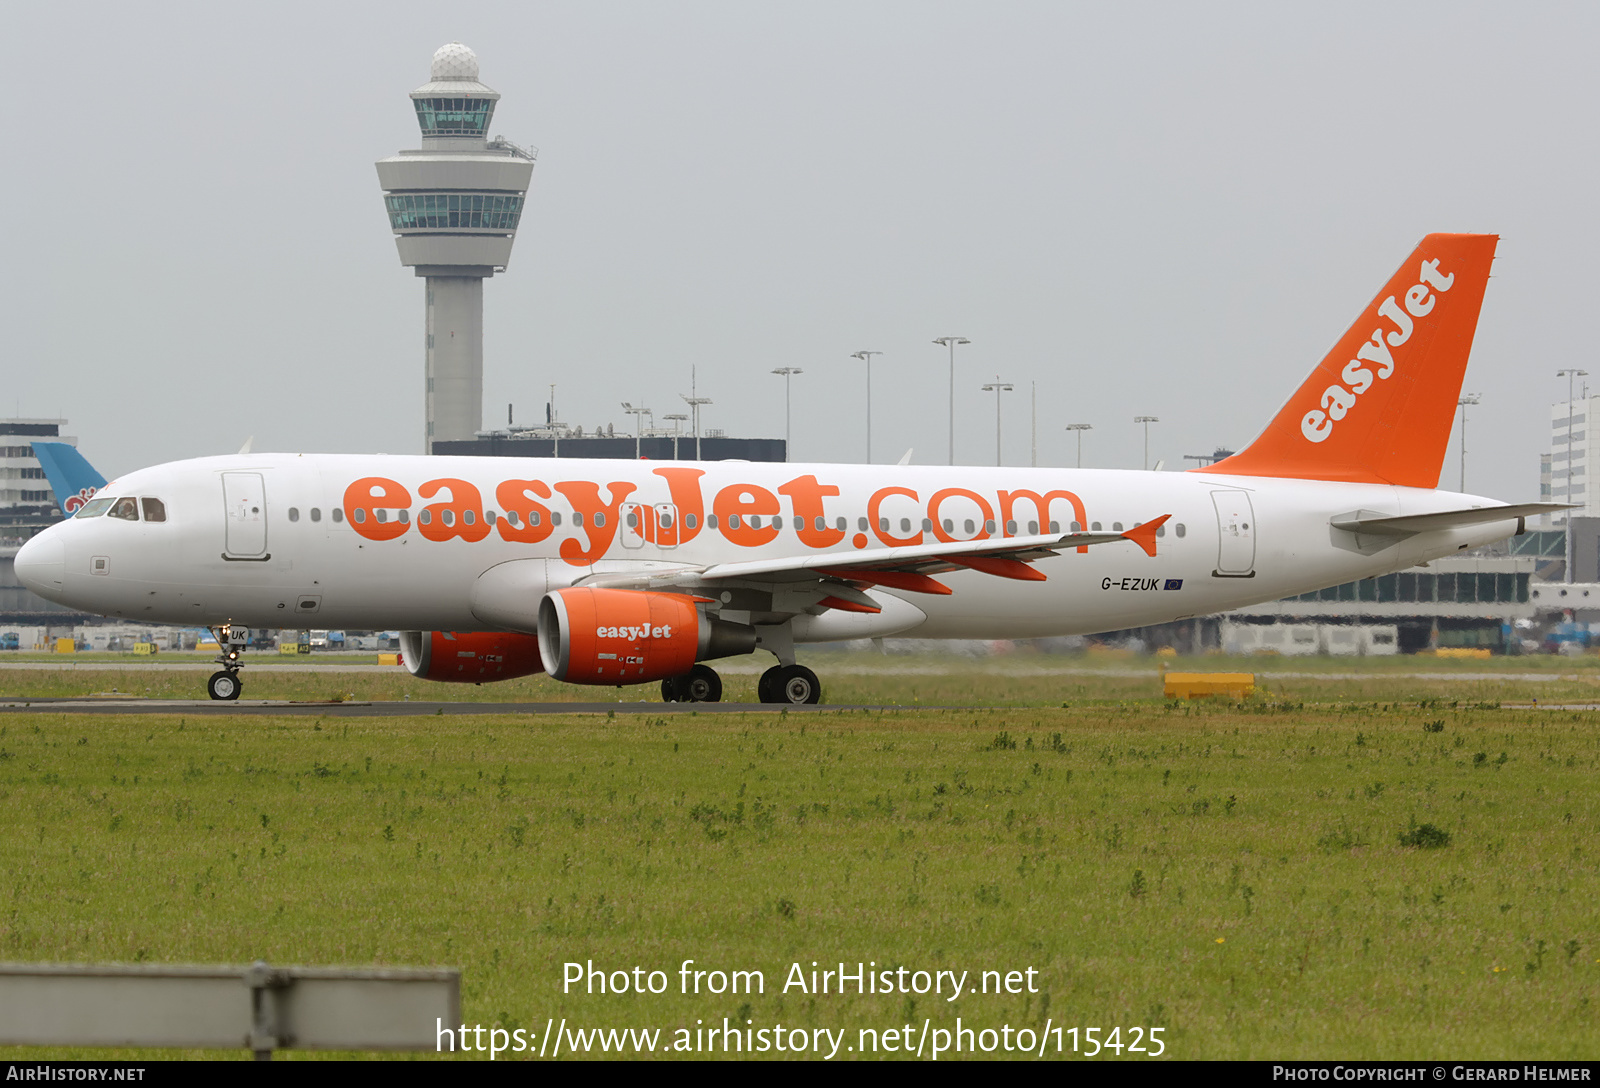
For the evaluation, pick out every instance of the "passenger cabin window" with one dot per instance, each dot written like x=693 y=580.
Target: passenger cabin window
x=338 y=514
x=690 y=521
x=294 y=513
x=316 y=514
x=1181 y=529
x=126 y=509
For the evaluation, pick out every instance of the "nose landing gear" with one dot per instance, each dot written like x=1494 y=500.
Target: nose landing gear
x=224 y=684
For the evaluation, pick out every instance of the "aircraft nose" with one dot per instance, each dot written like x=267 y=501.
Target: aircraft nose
x=41 y=565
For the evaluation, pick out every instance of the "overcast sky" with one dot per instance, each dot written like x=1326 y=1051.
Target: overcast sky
x=1162 y=209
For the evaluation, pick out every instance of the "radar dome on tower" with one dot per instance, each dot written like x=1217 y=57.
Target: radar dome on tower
x=454 y=61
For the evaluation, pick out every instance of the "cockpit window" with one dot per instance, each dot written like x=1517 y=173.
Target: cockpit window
x=154 y=510
x=127 y=509
x=95 y=507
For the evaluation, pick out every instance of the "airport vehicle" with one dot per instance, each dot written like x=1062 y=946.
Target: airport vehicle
x=627 y=572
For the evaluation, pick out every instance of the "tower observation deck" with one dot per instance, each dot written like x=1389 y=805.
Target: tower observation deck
x=454 y=205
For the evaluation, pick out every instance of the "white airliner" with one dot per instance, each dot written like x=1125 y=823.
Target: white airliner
x=626 y=572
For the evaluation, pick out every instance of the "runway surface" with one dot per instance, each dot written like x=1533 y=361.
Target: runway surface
x=403 y=709
x=886 y=668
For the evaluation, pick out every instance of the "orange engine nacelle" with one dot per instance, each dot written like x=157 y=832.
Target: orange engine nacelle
x=627 y=636
x=469 y=657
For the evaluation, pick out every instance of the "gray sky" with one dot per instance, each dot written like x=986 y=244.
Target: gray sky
x=1163 y=209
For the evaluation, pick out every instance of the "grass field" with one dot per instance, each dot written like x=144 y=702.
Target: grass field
x=1360 y=862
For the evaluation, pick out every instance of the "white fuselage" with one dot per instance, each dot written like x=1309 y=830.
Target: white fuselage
x=275 y=540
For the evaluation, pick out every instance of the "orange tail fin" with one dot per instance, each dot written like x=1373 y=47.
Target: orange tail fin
x=1379 y=408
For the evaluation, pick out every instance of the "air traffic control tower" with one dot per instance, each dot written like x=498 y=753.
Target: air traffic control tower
x=454 y=206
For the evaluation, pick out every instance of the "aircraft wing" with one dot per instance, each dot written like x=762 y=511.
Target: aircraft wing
x=834 y=577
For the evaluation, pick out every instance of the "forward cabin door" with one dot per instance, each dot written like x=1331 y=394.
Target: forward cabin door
x=244 y=500
x=1236 y=532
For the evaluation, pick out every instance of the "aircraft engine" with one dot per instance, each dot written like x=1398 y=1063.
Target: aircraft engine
x=469 y=657
x=627 y=636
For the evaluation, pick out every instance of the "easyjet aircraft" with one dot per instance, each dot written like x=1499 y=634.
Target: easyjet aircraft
x=627 y=572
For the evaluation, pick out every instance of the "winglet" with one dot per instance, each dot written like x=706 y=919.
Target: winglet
x=1145 y=535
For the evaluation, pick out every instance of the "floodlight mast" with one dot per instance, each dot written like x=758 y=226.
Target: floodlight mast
x=694 y=401
x=638 y=425
x=677 y=418
x=866 y=357
x=1080 y=428
x=951 y=342
x=786 y=372
x=997 y=387
x=1146 y=420
x=1466 y=399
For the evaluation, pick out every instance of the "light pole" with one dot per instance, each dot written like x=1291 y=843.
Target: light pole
x=951 y=342
x=997 y=387
x=1466 y=399
x=1146 y=420
x=694 y=401
x=786 y=372
x=1080 y=428
x=677 y=418
x=866 y=357
x=638 y=425
x=1569 y=374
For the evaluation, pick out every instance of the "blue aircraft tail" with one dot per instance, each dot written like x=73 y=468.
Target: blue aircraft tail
x=73 y=479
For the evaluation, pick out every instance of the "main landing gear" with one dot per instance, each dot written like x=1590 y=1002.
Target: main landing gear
x=700 y=684
x=794 y=684
x=224 y=684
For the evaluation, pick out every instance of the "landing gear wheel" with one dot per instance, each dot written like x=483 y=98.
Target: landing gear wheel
x=701 y=685
x=792 y=684
x=224 y=685
x=767 y=686
x=669 y=690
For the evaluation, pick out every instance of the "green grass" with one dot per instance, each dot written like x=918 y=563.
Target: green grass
x=1020 y=679
x=1234 y=874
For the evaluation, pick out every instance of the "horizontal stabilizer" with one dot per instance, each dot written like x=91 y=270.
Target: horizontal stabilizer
x=1370 y=521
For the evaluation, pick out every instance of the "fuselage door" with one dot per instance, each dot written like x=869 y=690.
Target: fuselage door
x=244 y=500
x=666 y=525
x=1236 y=532
x=633 y=529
